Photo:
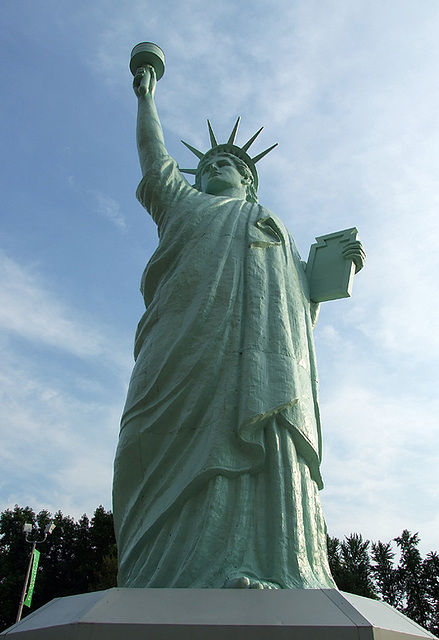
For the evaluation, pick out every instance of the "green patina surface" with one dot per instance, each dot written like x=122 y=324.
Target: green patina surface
x=217 y=471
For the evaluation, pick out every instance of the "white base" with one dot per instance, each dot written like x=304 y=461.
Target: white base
x=215 y=614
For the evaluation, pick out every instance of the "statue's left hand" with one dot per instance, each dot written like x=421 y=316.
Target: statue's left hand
x=145 y=81
x=355 y=251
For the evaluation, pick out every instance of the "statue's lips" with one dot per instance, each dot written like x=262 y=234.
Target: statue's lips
x=213 y=176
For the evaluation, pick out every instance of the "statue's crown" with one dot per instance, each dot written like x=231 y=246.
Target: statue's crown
x=232 y=148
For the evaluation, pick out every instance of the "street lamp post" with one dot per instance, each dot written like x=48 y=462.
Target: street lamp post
x=27 y=529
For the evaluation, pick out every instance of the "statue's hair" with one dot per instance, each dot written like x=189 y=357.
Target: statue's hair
x=251 y=195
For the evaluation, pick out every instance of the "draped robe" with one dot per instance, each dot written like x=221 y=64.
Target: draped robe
x=217 y=471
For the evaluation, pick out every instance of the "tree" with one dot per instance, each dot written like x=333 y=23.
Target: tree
x=77 y=557
x=384 y=574
x=14 y=557
x=350 y=565
x=431 y=581
x=412 y=586
x=410 y=574
x=334 y=558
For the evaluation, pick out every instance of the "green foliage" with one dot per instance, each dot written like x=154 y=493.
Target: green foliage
x=81 y=556
x=77 y=557
x=431 y=581
x=411 y=586
x=14 y=558
x=384 y=573
x=351 y=565
x=410 y=578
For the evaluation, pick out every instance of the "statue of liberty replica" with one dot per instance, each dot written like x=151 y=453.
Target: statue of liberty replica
x=217 y=471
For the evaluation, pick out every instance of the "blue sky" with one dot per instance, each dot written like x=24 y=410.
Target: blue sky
x=349 y=90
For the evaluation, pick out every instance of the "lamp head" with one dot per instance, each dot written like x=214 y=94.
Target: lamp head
x=146 y=53
x=49 y=527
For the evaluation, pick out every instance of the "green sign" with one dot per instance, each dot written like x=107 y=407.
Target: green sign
x=33 y=577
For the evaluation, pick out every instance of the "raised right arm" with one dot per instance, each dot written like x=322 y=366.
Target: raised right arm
x=150 y=142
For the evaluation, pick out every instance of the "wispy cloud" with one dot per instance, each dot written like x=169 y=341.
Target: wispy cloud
x=58 y=419
x=110 y=209
x=57 y=448
x=380 y=453
x=32 y=311
x=381 y=445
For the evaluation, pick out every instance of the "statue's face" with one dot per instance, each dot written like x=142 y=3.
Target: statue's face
x=220 y=174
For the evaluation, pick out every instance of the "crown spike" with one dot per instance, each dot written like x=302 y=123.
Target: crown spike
x=232 y=137
x=213 y=140
x=264 y=153
x=192 y=172
x=248 y=144
x=199 y=154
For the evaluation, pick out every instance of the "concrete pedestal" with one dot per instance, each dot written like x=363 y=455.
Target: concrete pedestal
x=215 y=614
